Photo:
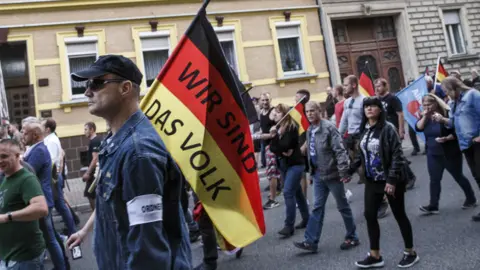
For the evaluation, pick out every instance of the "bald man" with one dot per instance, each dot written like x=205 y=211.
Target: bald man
x=38 y=157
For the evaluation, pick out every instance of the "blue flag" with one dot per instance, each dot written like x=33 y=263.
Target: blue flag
x=411 y=98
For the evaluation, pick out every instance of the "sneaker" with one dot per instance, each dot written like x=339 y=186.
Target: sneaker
x=383 y=210
x=286 y=232
x=305 y=246
x=271 y=204
x=415 y=152
x=468 y=205
x=408 y=260
x=194 y=236
x=349 y=243
x=428 y=209
x=302 y=224
x=476 y=217
x=370 y=262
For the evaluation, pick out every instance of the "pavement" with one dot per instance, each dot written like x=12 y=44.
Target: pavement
x=445 y=241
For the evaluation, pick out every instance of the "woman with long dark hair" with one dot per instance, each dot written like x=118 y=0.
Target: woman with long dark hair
x=286 y=147
x=382 y=159
x=465 y=118
x=442 y=143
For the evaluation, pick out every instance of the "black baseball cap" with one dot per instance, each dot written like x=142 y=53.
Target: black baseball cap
x=114 y=64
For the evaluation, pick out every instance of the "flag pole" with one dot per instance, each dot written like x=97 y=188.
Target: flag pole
x=293 y=108
x=436 y=71
x=368 y=70
x=246 y=91
x=205 y=4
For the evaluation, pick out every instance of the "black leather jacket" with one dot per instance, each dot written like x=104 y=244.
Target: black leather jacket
x=393 y=161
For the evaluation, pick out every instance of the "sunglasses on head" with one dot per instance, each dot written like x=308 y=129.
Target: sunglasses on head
x=98 y=84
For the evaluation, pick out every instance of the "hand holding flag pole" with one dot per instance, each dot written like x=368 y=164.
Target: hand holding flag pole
x=288 y=113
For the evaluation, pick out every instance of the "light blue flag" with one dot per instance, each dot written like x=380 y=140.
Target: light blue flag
x=411 y=98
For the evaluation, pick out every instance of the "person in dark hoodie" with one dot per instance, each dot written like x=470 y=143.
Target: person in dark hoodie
x=384 y=164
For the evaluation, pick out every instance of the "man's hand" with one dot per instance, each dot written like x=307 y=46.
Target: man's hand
x=76 y=239
x=346 y=179
x=438 y=118
x=86 y=177
x=390 y=189
x=303 y=149
x=401 y=133
x=476 y=139
x=3 y=218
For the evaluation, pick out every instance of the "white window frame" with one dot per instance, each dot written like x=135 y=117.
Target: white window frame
x=465 y=30
x=78 y=40
x=300 y=46
x=157 y=34
x=230 y=29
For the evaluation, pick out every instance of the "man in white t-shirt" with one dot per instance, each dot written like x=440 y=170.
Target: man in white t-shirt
x=55 y=149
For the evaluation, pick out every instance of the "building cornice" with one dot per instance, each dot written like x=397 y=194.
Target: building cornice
x=27 y=6
x=168 y=16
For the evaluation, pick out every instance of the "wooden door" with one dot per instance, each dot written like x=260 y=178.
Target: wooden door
x=21 y=103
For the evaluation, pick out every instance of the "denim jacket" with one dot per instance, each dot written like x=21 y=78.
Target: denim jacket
x=332 y=159
x=139 y=222
x=465 y=117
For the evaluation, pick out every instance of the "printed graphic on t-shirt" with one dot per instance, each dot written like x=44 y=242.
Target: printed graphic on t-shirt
x=372 y=156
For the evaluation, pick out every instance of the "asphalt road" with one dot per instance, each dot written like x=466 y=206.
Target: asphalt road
x=449 y=240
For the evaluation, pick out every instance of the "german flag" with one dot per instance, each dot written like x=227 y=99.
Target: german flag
x=365 y=85
x=441 y=71
x=298 y=115
x=196 y=107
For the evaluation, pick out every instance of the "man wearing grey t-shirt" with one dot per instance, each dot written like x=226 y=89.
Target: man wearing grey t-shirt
x=352 y=118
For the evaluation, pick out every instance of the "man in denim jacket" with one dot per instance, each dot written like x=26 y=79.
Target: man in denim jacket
x=329 y=164
x=139 y=222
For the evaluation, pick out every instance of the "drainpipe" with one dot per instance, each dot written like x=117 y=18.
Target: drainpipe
x=327 y=44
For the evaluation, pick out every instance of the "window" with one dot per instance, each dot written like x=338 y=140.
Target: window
x=385 y=27
x=290 y=46
x=81 y=53
x=339 y=32
x=454 y=32
x=155 y=52
x=227 y=42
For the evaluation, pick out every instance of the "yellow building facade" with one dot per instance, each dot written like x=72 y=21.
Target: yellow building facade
x=275 y=46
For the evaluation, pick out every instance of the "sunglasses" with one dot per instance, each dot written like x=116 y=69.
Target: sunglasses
x=350 y=105
x=99 y=84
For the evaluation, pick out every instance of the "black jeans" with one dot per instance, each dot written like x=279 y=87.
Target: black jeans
x=454 y=164
x=374 y=192
x=209 y=239
x=413 y=138
x=472 y=155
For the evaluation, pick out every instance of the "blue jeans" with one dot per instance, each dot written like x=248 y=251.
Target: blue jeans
x=263 y=157
x=53 y=246
x=454 y=165
x=293 y=194
x=62 y=208
x=321 y=190
x=35 y=264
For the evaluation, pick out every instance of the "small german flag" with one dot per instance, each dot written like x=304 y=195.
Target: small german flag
x=441 y=71
x=365 y=85
x=298 y=115
x=197 y=109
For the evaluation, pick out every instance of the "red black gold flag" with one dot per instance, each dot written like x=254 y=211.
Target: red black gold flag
x=197 y=109
x=365 y=85
x=298 y=114
x=441 y=73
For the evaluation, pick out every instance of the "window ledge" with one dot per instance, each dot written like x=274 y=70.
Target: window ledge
x=297 y=77
x=74 y=102
x=462 y=57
